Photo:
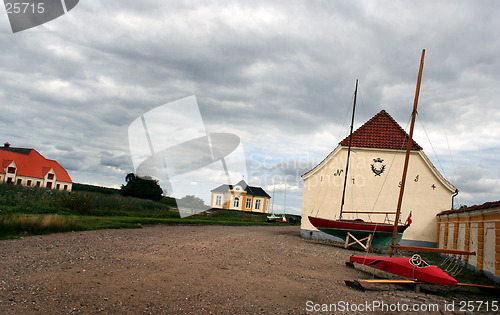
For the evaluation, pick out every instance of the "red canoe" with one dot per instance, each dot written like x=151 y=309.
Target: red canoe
x=402 y=266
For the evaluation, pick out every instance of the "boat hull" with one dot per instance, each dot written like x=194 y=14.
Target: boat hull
x=401 y=266
x=381 y=232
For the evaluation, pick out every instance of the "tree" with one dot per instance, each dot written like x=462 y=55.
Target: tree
x=191 y=201
x=141 y=187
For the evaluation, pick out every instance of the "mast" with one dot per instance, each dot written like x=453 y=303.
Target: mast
x=272 y=204
x=284 y=204
x=408 y=149
x=349 y=149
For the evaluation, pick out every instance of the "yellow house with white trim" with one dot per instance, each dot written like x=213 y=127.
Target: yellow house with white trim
x=240 y=197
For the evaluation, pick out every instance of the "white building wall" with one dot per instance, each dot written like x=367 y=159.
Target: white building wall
x=473 y=245
x=489 y=247
x=461 y=236
x=426 y=193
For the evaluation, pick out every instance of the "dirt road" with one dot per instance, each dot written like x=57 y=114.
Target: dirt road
x=185 y=269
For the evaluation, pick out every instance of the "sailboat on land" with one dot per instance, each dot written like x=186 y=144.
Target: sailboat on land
x=413 y=268
x=375 y=235
x=283 y=218
x=273 y=218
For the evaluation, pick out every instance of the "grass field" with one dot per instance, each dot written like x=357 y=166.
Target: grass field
x=32 y=210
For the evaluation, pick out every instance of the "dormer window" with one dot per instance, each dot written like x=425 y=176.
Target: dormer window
x=50 y=176
x=11 y=170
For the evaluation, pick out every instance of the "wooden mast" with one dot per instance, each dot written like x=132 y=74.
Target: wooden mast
x=408 y=149
x=349 y=149
x=403 y=180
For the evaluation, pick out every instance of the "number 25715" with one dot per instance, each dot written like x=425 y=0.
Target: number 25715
x=24 y=7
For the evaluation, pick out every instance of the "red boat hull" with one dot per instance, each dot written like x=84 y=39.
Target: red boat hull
x=381 y=232
x=401 y=266
x=356 y=225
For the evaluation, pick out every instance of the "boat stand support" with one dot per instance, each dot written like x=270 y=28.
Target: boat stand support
x=368 y=240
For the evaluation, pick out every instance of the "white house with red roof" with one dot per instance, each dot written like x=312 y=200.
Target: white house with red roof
x=375 y=169
x=27 y=167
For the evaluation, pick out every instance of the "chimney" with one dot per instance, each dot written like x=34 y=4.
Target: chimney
x=6 y=145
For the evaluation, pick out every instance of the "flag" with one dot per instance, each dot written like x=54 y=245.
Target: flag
x=408 y=221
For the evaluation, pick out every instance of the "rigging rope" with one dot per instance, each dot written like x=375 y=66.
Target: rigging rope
x=432 y=147
x=341 y=131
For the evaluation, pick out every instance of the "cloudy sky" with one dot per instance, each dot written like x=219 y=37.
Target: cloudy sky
x=278 y=74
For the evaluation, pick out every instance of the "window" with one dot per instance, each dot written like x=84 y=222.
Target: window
x=236 y=202
x=49 y=184
x=257 y=204
x=38 y=184
x=19 y=181
x=50 y=176
x=9 y=180
x=65 y=187
x=218 y=200
x=58 y=186
x=249 y=203
x=28 y=182
x=11 y=170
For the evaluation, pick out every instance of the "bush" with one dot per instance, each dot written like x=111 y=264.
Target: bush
x=34 y=200
x=75 y=201
x=191 y=201
x=13 y=195
x=30 y=224
x=141 y=188
x=93 y=188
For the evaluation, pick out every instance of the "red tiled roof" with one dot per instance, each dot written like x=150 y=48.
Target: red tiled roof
x=381 y=132
x=33 y=164
x=486 y=205
x=45 y=170
x=6 y=163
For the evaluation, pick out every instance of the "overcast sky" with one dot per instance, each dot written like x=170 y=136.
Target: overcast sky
x=279 y=74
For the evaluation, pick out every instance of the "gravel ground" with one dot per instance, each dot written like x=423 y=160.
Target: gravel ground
x=191 y=269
